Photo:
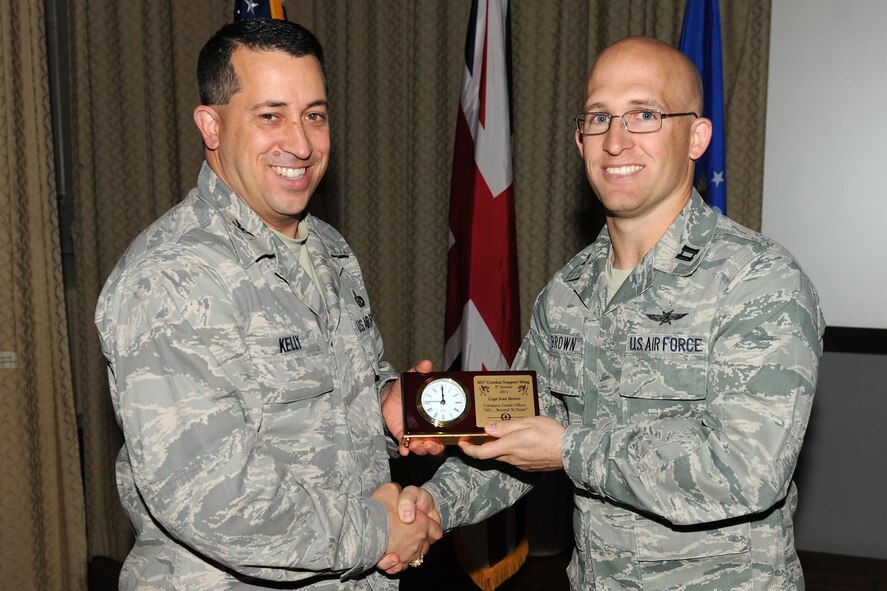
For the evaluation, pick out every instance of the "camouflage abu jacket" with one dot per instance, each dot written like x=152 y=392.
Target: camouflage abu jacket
x=685 y=397
x=252 y=425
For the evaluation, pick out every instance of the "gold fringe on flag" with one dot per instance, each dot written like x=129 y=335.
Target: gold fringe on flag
x=490 y=577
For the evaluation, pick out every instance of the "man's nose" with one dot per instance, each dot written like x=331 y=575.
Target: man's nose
x=617 y=138
x=297 y=141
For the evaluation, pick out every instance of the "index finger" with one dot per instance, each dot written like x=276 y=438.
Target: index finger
x=421 y=447
x=485 y=451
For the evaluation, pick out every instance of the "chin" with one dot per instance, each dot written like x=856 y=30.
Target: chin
x=292 y=207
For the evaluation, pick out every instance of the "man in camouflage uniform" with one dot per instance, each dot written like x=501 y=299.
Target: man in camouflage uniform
x=676 y=357
x=244 y=363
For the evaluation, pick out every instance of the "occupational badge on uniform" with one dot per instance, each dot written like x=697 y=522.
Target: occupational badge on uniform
x=665 y=317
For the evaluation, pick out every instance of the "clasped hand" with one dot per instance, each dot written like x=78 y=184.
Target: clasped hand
x=532 y=444
x=413 y=508
x=411 y=530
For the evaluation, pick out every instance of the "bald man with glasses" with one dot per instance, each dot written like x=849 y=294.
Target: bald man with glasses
x=680 y=413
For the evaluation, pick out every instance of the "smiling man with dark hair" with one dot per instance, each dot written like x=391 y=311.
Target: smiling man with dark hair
x=245 y=369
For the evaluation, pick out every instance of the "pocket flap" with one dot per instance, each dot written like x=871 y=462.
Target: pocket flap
x=657 y=541
x=290 y=368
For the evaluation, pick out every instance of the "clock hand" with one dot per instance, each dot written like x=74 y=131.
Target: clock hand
x=442 y=400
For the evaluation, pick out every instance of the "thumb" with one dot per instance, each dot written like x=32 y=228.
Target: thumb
x=406 y=504
x=423 y=366
x=502 y=428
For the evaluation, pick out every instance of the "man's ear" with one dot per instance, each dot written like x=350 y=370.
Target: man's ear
x=579 y=143
x=207 y=120
x=700 y=136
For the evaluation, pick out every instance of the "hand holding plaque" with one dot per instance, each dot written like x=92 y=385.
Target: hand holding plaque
x=455 y=405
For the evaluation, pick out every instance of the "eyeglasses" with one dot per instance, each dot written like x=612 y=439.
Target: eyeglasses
x=639 y=121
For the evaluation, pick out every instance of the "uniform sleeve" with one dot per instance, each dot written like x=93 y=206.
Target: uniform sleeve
x=182 y=384
x=738 y=455
x=469 y=491
x=385 y=374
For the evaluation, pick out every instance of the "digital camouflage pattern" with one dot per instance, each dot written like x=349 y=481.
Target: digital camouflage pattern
x=252 y=424
x=685 y=397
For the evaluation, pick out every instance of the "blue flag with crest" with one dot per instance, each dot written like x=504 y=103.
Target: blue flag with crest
x=701 y=42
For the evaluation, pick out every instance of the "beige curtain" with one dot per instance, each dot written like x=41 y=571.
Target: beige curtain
x=395 y=70
x=136 y=153
x=42 y=537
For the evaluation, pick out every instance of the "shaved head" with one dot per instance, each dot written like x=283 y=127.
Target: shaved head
x=684 y=79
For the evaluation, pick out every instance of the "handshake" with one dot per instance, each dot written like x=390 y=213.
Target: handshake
x=532 y=444
x=414 y=524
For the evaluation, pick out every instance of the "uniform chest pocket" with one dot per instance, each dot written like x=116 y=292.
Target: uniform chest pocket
x=290 y=367
x=665 y=367
x=565 y=373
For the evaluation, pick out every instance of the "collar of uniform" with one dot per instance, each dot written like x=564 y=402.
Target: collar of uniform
x=250 y=236
x=678 y=252
x=680 y=249
x=588 y=267
x=321 y=242
x=331 y=240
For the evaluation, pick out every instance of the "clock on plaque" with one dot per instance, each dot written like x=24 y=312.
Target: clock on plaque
x=453 y=405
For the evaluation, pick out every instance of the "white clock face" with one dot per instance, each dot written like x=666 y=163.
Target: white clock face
x=443 y=401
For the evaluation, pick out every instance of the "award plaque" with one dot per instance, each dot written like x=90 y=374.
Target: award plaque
x=454 y=405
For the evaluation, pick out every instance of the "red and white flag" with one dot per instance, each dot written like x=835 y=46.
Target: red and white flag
x=482 y=325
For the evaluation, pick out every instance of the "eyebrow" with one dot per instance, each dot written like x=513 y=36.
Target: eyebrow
x=272 y=104
x=634 y=104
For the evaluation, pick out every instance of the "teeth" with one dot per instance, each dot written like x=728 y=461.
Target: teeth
x=290 y=173
x=623 y=170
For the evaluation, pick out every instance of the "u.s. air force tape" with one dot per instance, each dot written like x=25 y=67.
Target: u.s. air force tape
x=668 y=344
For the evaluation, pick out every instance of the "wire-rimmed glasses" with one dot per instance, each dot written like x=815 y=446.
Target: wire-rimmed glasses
x=636 y=121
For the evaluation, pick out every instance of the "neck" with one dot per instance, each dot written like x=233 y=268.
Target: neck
x=634 y=237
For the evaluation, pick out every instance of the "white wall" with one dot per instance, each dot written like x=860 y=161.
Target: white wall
x=825 y=198
x=825 y=168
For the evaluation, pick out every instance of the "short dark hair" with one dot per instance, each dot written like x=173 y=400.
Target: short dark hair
x=216 y=77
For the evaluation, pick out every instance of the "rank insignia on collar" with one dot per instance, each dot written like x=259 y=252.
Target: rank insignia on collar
x=241 y=228
x=665 y=317
x=688 y=253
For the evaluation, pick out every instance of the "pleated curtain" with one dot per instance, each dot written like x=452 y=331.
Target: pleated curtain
x=42 y=534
